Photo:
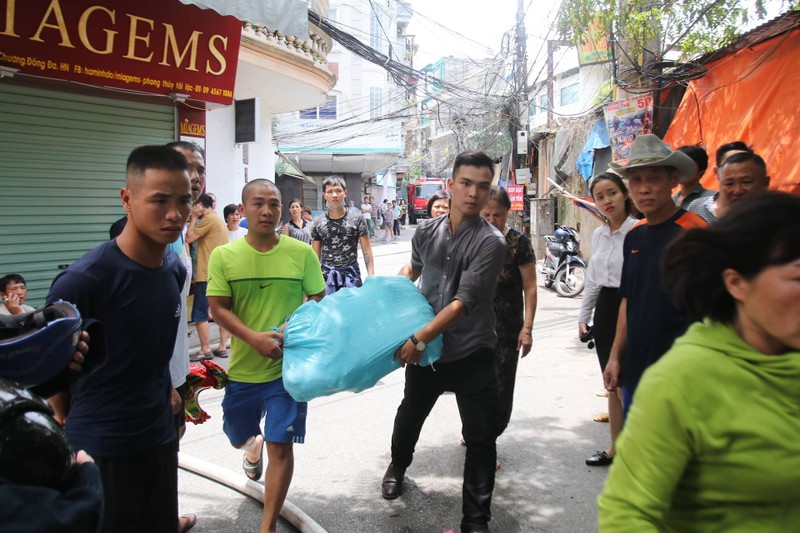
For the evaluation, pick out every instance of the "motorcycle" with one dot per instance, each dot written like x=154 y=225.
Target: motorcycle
x=562 y=265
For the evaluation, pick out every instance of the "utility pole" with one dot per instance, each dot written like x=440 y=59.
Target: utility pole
x=549 y=83
x=519 y=103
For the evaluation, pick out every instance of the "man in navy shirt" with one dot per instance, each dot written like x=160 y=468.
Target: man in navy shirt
x=648 y=322
x=121 y=414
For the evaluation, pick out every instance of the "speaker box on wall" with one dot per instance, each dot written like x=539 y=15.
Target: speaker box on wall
x=248 y=121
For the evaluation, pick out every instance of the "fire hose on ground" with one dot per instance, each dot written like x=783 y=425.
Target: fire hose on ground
x=290 y=512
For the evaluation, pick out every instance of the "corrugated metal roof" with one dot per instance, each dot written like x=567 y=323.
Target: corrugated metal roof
x=769 y=30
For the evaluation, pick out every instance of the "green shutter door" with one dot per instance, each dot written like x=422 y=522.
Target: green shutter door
x=62 y=163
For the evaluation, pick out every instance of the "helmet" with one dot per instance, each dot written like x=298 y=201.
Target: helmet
x=561 y=234
x=34 y=450
x=36 y=346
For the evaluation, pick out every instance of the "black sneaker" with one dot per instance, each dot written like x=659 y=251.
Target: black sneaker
x=599 y=459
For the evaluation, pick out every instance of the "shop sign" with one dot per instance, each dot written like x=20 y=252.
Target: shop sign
x=594 y=46
x=192 y=124
x=151 y=46
x=627 y=119
x=516 y=193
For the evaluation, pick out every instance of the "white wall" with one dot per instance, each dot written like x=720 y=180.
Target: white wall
x=225 y=169
x=589 y=78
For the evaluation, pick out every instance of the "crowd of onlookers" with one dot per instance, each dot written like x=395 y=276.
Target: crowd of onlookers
x=692 y=297
x=696 y=317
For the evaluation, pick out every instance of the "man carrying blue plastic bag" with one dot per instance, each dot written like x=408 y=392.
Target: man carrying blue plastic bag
x=254 y=284
x=460 y=255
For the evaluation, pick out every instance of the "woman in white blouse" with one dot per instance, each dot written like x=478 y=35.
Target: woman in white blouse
x=600 y=293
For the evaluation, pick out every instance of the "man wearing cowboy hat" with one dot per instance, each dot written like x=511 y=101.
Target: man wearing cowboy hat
x=648 y=321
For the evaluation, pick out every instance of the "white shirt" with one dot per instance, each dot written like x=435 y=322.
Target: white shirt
x=25 y=309
x=238 y=233
x=366 y=210
x=605 y=266
x=179 y=362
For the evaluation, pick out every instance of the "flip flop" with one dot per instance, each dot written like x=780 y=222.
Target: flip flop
x=601 y=418
x=254 y=470
x=188 y=521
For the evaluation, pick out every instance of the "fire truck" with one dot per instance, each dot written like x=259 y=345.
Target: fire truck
x=419 y=191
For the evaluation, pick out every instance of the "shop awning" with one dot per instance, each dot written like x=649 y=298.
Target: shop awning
x=287 y=16
x=285 y=167
x=387 y=179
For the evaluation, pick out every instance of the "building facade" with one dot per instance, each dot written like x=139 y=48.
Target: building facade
x=84 y=82
x=357 y=132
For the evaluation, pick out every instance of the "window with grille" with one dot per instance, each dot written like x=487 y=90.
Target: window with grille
x=375 y=102
x=325 y=111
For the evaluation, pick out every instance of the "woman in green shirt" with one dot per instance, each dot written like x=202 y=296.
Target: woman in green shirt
x=712 y=442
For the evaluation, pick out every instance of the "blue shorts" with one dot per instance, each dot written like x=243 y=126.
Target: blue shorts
x=200 y=304
x=245 y=405
x=627 y=400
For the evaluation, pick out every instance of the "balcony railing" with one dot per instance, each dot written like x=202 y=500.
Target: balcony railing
x=316 y=47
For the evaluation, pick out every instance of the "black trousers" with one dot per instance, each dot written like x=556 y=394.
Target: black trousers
x=141 y=492
x=474 y=383
x=606 y=312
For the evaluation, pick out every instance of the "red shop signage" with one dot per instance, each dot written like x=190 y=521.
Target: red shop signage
x=516 y=193
x=153 y=46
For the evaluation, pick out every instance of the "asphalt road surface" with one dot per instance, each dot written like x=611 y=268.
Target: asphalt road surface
x=543 y=485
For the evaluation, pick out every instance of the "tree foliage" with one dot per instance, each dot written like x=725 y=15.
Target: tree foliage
x=648 y=29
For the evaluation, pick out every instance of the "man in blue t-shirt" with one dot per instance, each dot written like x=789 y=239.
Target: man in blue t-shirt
x=648 y=321
x=121 y=414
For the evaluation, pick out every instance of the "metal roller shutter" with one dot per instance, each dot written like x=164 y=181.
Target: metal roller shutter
x=62 y=163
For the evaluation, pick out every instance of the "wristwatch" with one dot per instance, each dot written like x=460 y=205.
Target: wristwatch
x=418 y=344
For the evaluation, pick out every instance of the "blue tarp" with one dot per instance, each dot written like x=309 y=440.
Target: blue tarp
x=598 y=138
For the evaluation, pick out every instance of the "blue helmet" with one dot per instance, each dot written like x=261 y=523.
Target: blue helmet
x=37 y=346
x=561 y=235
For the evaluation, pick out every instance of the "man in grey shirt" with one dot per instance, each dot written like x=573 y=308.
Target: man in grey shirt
x=461 y=256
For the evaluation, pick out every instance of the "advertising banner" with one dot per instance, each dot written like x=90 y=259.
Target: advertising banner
x=516 y=193
x=151 y=46
x=626 y=119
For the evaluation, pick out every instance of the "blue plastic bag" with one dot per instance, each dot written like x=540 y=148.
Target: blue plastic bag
x=347 y=341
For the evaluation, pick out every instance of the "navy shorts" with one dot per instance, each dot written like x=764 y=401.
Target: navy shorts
x=627 y=400
x=200 y=304
x=245 y=405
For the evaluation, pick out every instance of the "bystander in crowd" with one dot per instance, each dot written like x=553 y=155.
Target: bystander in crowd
x=712 y=442
x=14 y=292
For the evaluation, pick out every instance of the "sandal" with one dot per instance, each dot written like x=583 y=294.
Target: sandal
x=254 y=470
x=601 y=418
x=186 y=522
x=200 y=356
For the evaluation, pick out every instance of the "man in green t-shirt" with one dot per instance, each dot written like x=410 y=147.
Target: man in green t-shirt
x=254 y=284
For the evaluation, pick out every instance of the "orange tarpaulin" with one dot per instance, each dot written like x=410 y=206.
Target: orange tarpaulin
x=751 y=96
